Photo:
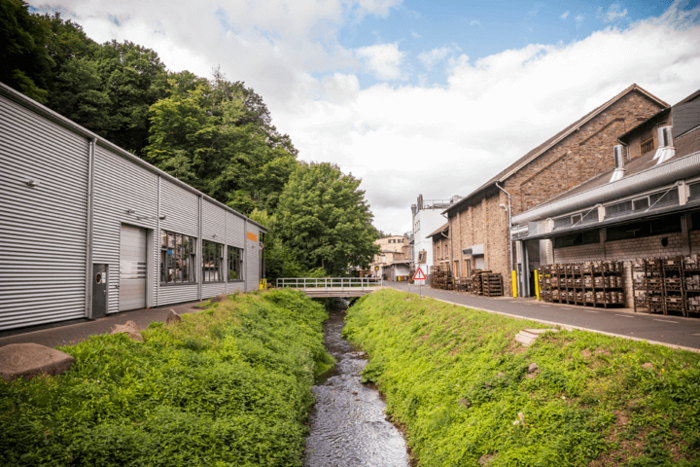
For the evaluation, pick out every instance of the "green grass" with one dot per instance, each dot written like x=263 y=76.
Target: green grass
x=230 y=385
x=456 y=380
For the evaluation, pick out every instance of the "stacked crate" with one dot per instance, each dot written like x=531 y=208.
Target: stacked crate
x=492 y=284
x=599 y=283
x=667 y=285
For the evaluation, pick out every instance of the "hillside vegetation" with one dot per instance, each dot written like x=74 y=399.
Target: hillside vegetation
x=228 y=386
x=466 y=392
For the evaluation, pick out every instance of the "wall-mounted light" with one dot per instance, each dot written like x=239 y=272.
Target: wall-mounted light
x=162 y=217
x=213 y=236
x=33 y=183
x=130 y=211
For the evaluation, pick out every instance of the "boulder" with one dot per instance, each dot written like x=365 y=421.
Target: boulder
x=218 y=298
x=173 y=317
x=532 y=367
x=130 y=329
x=29 y=360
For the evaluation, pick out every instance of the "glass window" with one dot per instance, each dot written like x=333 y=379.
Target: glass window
x=235 y=264
x=212 y=261
x=177 y=258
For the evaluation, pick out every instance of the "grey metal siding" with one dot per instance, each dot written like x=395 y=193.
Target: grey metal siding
x=213 y=222
x=212 y=289
x=120 y=185
x=252 y=279
x=234 y=230
x=177 y=294
x=43 y=229
x=179 y=207
x=235 y=287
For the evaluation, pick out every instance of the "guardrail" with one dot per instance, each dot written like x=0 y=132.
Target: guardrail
x=335 y=283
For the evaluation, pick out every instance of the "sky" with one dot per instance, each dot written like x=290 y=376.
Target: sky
x=416 y=97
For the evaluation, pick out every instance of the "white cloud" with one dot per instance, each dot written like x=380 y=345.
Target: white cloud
x=382 y=60
x=579 y=19
x=475 y=22
x=416 y=35
x=564 y=15
x=612 y=14
x=434 y=56
x=402 y=139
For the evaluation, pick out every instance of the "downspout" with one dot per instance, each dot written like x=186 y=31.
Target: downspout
x=88 y=236
x=510 y=241
x=449 y=222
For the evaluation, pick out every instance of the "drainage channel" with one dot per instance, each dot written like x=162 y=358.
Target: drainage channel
x=347 y=425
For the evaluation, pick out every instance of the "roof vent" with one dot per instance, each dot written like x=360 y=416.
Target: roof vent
x=619 y=171
x=665 y=150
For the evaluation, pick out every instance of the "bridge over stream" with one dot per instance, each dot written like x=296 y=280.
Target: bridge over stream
x=325 y=287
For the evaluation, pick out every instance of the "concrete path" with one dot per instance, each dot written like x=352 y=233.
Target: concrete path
x=73 y=333
x=674 y=330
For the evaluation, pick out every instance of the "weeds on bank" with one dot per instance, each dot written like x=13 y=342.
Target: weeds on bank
x=459 y=383
x=230 y=385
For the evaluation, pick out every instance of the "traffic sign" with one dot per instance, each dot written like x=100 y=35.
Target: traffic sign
x=419 y=276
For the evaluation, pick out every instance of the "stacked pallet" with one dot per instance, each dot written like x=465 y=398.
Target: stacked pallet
x=442 y=279
x=597 y=283
x=667 y=285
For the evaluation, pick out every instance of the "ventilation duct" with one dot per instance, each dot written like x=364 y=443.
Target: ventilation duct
x=619 y=171
x=665 y=150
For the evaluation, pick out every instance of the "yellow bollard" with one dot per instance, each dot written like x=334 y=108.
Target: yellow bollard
x=537 y=285
x=515 y=284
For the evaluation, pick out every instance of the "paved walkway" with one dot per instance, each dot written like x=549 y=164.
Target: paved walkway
x=73 y=333
x=674 y=330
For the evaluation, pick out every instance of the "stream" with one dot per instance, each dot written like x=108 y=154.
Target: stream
x=347 y=425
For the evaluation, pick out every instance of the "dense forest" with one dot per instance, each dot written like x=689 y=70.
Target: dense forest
x=212 y=133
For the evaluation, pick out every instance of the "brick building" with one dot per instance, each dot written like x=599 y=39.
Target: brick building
x=394 y=259
x=440 y=239
x=479 y=222
x=647 y=206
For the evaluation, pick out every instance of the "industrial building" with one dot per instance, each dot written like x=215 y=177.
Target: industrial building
x=426 y=216
x=89 y=229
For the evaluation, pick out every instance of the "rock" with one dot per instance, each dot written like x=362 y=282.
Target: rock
x=29 y=360
x=219 y=298
x=532 y=367
x=130 y=329
x=530 y=376
x=173 y=317
x=648 y=366
x=586 y=353
x=500 y=374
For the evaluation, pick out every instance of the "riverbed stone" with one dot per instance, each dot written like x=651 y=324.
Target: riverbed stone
x=130 y=329
x=29 y=360
x=173 y=317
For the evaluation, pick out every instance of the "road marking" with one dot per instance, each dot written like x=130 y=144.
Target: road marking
x=625 y=316
x=665 y=321
x=590 y=311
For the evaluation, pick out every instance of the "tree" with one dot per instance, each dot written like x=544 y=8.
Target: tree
x=324 y=219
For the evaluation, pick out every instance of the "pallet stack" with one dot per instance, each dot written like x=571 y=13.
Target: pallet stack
x=598 y=283
x=491 y=284
x=667 y=285
x=442 y=279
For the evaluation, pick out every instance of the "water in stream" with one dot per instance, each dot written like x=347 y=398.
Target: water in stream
x=347 y=425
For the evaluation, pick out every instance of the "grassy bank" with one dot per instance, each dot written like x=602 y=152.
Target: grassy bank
x=456 y=380
x=229 y=386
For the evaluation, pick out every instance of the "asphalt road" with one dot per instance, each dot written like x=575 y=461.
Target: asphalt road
x=673 y=330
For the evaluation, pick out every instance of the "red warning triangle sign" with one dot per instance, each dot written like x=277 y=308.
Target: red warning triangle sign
x=419 y=276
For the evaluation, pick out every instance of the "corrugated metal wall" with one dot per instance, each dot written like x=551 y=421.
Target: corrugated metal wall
x=42 y=229
x=252 y=256
x=120 y=185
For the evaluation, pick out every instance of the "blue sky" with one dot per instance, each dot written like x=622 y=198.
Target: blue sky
x=485 y=28
x=429 y=98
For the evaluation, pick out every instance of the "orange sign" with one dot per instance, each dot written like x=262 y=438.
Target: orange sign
x=252 y=237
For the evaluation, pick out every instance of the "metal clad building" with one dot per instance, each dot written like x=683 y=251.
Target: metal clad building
x=88 y=229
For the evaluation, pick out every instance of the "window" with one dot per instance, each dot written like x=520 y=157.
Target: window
x=648 y=145
x=235 y=264
x=640 y=203
x=212 y=259
x=660 y=226
x=619 y=209
x=176 y=258
x=584 y=238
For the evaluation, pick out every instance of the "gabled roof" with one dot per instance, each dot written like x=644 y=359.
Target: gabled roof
x=441 y=229
x=539 y=150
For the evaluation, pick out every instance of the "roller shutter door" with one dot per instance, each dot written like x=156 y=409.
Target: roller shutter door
x=132 y=268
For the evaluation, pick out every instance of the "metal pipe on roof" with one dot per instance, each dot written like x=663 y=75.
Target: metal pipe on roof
x=653 y=177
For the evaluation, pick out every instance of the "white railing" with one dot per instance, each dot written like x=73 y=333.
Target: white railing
x=328 y=283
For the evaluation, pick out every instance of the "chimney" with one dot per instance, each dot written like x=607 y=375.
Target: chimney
x=665 y=150
x=619 y=171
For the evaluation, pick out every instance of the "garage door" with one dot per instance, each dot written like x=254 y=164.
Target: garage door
x=132 y=269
